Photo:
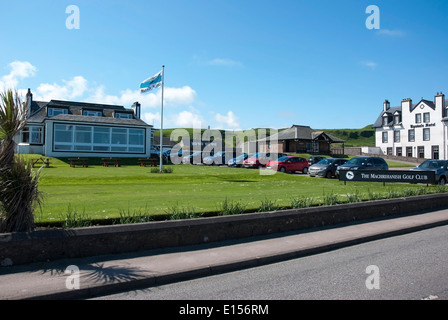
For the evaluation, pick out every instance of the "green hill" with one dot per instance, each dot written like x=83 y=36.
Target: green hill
x=364 y=137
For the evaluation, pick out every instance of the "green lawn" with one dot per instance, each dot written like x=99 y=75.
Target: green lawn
x=104 y=192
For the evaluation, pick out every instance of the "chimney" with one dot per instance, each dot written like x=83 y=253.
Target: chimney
x=136 y=108
x=29 y=101
x=386 y=105
x=406 y=103
x=439 y=101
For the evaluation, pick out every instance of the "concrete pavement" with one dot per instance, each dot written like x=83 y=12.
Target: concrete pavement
x=102 y=275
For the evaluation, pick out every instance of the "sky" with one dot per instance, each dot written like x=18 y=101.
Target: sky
x=229 y=64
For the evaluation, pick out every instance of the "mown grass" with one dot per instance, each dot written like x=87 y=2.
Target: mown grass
x=131 y=192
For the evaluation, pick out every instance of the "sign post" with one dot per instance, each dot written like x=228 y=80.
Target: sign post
x=402 y=176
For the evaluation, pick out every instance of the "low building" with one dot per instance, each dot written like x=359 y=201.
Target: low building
x=77 y=129
x=299 y=139
x=413 y=129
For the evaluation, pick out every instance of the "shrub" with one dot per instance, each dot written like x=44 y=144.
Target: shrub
x=19 y=194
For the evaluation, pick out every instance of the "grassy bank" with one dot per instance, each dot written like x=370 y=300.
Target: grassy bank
x=100 y=192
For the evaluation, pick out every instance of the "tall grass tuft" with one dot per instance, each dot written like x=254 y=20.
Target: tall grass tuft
x=75 y=219
x=353 y=197
x=231 y=207
x=302 y=202
x=126 y=216
x=268 y=205
x=178 y=213
x=330 y=199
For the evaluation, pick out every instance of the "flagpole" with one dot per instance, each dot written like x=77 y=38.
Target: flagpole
x=161 y=122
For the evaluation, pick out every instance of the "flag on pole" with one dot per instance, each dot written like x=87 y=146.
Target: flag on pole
x=151 y=83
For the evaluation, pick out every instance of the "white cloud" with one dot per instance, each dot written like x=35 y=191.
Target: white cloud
x=179 y=96
x=372 y=65
x=224 y=62
x=228 y=121
x=151 y=118
x=80 y=89
x=391 y=33
x=188 y=119
x=69 y=90
x=19 y=70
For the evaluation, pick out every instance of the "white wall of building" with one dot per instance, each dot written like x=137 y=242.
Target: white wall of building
x=431 y=114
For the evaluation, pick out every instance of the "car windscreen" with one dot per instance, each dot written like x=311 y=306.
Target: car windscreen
x=431 y=164
x=357 y=161
x=326 y=161
x=283 y=158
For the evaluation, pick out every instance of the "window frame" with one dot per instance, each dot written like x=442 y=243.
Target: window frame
x=426 y=134
x=98 y=139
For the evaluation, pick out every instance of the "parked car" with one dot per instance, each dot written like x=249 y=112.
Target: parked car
x=218 y=158
x=289 y=164
x=363 y=163
x=260 y=159
x=440 y=167
x=238 y=161
x=326 y=167
x=314 y=159
x=195 y=157
x=155 y=153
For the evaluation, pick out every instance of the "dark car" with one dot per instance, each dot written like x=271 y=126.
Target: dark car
x=289 y=164
x=440 y=167
x=315 y=159
x=363 y=163
x=326 y=167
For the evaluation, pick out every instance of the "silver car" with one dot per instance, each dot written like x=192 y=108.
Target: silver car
x=326 y=167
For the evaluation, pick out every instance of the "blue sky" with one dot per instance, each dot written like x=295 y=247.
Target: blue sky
x=230 y=64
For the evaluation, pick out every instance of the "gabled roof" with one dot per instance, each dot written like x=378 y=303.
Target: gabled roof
x=389 y=112
x=427 y=102
x=297 y=132
x=39 y=113
x=379 y=121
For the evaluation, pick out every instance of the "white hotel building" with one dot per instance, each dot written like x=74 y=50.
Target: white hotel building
x=414 y=130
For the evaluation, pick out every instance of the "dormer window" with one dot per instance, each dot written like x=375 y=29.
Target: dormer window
x=51 y=112
x=397 y=119
x=385 y=120
x=123 y=115
x=92 y=113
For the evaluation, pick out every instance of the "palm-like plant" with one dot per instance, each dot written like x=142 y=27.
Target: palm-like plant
x=18 y=183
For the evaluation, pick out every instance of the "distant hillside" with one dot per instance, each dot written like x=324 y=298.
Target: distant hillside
x=364 y=137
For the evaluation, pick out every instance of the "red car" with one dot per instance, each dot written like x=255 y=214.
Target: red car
x=289 y=164
x=260 y=159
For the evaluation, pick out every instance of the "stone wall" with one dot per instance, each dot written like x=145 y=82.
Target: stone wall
x=53 y=244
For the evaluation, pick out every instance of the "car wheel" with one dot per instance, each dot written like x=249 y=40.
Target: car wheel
x=283 y=169
x=305 y=170
x=328 y=175
x=442 y=181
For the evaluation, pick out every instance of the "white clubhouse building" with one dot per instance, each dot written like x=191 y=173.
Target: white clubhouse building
x=414 y=129
x=78 y=129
